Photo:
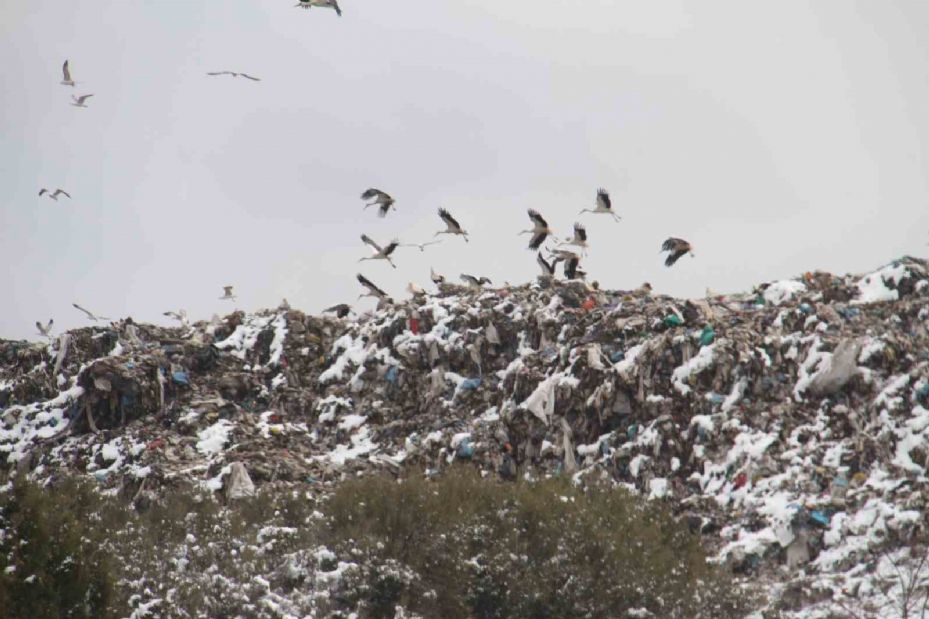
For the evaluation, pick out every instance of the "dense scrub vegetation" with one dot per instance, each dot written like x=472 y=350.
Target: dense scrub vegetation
x=454 y=546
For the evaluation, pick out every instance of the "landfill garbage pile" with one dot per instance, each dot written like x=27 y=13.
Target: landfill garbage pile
x=789 y=425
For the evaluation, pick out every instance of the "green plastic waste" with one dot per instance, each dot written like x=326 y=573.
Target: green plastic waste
x=707 y=336
x=673 y=320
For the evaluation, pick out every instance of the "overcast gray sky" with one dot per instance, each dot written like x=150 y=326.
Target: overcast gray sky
x=777 y=137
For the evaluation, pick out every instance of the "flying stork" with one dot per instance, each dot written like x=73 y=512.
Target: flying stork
x=234 y=74
x=79 y=101
x=327 y=4
x=180 y=316
x=373 y=291
x=435 y=277
x=539 y=231
x=381 y=199
x=227 y=294
x=603 y=205
x=54 y=195
x=45 y=330
x=341 y=310
x=452 y=226
x=580 y=237
x=570 y=268
x=475 y=282
x=90 y=314
x=380 y=253
x=677 y=248
x=548 y=268
x=66 y=75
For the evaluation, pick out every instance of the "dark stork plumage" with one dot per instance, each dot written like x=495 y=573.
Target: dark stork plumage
x=677 y=248
x=379 y=198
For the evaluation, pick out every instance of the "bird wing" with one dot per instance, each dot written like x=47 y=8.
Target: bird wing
x=58 y=191
x=335 y=5
x=370 y=286
x=546 y=267
x=537 y=219
x=89 y=315
x=372 y=193
x=367 y=239
x=335 y=308
x=227 y=290
x=385 y=206
x=254 y=79
x=580 y=233
x=83 y=98
x=391 y=247
x=470 y=279
x=448 y=219
x=672 y=244
x=570 y=267
x=673 y=256
x=603 y=199
x=67 y=71
x=537 y=240
x=217 y=72
x=43 y=191
x=41 y=329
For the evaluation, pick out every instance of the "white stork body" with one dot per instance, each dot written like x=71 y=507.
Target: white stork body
x=54 y=194
x=580 y=237
x=79 y=101
x=380 y=253
x=326 y=4
x=415 y=290
x=603 y=205
x=228 y=295
x=234 y=74
x=451 y=226
x=66 y=75
x=435 y=277
x=539 y=231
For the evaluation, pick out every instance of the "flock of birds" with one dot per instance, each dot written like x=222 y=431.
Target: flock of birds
x=569 y=251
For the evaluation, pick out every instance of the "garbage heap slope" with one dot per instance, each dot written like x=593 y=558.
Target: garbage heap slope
x=789 y=425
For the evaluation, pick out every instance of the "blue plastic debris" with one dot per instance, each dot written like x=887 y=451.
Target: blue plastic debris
x=465 y=449
x=470 y=384
x=715 y=398
x=923 y=392
x=392 y=374
x=604 y=448
x=130 y=365
x=806 y=308
x=101 y=475
x=180 y=378
x=617 y=355
x=632 y=431
x=820 y=517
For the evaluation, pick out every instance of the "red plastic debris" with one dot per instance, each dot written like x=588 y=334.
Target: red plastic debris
x=740 y=480
x=414 y=325
x=156 y=444
x=589 y=304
